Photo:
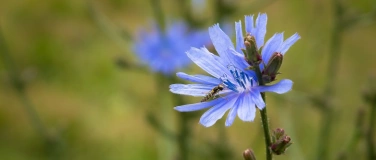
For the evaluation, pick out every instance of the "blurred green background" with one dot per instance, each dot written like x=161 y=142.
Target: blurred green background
x=66 y=53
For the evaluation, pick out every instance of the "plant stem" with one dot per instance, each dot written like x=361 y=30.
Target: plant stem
x=265 y=125
x=157 y=12
x=183 y=127
x=19 y=87
x=371 y=133
x=163 y=117
x=357 y=135
x=264 y=118
x=327 y=110
x=183 y=136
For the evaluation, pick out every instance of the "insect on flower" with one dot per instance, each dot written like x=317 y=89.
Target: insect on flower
x=238 y=86
x=213 y=92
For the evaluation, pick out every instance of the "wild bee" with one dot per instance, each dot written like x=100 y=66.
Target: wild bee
x=213 y=92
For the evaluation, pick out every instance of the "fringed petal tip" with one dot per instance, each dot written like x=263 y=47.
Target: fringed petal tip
x=215 y=26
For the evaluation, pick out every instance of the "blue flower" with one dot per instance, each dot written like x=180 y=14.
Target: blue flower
x=241 y=92
x=258 y=30
x=164 y=52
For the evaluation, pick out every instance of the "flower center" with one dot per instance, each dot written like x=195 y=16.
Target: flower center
x=240 y=81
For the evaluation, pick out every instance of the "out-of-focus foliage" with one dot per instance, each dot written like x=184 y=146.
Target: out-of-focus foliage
x=95 y=109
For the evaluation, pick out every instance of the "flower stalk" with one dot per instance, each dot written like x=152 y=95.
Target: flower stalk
x=327 y=109
x=264 y=118
x=252 y=56
x=18 y=85
x=157 y=9
x=183 y=129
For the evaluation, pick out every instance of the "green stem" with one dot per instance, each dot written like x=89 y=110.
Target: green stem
x=19 y=87
x=183 y=136
x=324 y=135
x=159 y=126
x=186 y=11
x=157 y=12
x=265 y=124
x=183 y=129
x=357 y=135
x=264 y=118
x=371 y=133
x=327 y=110
x=165 y=148
x=34 y=118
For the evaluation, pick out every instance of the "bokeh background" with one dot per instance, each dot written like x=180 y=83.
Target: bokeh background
x=72 y=62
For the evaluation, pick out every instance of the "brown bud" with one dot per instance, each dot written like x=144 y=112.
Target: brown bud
x=271 y=69
x=280 y=141
x=248 y=154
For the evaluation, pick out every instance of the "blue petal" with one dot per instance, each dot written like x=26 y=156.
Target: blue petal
x=236 y=59
x=288 y=43
x=199 y=78
x=257 y=99
x=232 y=114
x=213 y=114
x=281 y=87
x=261 y=22
x=177 y=29
x=247 y=108
x=249 y=27
x=220 y=41
x=207 y=61
x=239 y=36
x=191 y=89
x=270 y=47
x=198 y=106
x=154 y=48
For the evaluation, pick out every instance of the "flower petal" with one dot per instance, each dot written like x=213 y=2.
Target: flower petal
x=288 y=43
x=247 y=108
x=257 y=99
x=191 y=89
x=207 y=61
x=249 y=27
x=222 y=44
x=199 y=78
x=270 y=47
x=282 y=86
x=239 y=36
x=236 y=59
x=261 y=22
x=220 y=40
x=199 y=106
x=177 y=29
x=232 y=114
x=213 y=114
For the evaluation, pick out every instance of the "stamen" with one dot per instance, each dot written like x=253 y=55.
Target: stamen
x=242 y=79
x=228 y=83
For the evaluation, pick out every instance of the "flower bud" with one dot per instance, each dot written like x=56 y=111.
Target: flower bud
x=271 y=69
x=280 y=142
x=251 y=54
x=278 y=133
x=248 y=154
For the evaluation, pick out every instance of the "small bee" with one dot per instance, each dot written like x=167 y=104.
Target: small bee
x=212 y=93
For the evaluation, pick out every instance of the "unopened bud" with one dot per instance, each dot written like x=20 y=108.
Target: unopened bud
x=248 y=154
x=280 y=141
x=278 y=133
x=271 y=69
x=251 y=54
